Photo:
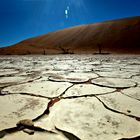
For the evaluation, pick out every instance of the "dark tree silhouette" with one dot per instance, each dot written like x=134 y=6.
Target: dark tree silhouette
x=64 y=51
x=100 y=48
x=28 y=52
x=44 y=52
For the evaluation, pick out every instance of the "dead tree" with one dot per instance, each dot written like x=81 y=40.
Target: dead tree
x=44 y=52
x=100 y=48
x=64 y=51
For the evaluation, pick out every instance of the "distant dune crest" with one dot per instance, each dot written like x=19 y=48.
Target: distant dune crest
x=110 y=37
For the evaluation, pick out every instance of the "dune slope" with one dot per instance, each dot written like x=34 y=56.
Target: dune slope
x=116 y=36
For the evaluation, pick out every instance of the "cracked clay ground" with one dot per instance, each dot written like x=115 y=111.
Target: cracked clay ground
x=70 y=97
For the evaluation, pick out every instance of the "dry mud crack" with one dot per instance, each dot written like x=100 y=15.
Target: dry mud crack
x=70 y=97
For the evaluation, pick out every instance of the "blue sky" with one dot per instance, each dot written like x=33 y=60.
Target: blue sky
x=22 y=19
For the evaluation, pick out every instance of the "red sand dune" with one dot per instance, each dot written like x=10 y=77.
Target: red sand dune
x=116 y=36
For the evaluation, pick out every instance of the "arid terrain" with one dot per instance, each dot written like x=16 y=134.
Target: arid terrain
x=70 y=97
x=120 y=36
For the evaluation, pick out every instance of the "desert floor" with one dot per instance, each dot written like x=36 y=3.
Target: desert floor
x=70 y=97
